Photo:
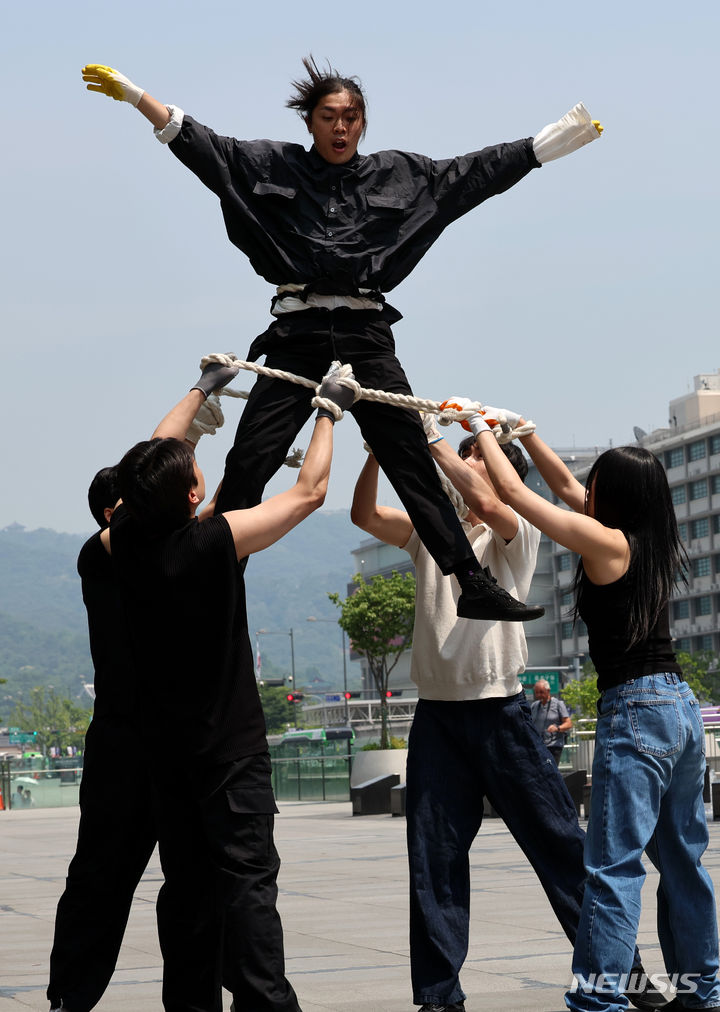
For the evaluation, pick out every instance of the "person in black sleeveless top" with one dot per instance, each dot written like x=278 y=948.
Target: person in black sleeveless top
x=116 y=834
x=649 y=764
x=181 y=584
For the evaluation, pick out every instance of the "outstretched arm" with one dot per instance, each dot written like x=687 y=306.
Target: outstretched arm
x=555 y=472
x=604 y=550
x=479 y=496
x=390 y=525
x=261 y=526
x=178 y=420
x=107 y=81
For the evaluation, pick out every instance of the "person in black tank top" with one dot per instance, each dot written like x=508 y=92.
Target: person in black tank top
x=181 y=584
x=116 y=834
x=649 y=763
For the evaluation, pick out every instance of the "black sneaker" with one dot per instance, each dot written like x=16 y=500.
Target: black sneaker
x=643 y=994
x=483 y=597
x=457 y=1006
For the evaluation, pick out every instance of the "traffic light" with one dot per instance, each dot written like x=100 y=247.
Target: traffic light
x=389 y=693
x=294 y=697
x=352 y=695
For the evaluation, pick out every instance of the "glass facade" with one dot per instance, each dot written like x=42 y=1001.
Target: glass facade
x=698 y=489
x=700 y=528
x=678 y=495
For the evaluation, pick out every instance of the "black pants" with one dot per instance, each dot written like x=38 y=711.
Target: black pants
x=217 y=913
x=305 y=343
x=116 y=838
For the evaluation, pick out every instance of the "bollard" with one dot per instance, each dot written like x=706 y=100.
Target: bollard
x=715 y=788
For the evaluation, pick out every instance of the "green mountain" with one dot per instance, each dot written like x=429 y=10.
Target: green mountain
x=43 y=634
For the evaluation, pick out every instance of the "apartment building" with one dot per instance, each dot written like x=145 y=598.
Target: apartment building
x=689 y=449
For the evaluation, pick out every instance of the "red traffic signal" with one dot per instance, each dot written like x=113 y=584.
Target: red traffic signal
x=389 y=693
x=294 y=697
x=352 y=695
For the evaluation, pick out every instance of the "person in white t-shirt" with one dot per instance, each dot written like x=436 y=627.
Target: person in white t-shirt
x=472 y=737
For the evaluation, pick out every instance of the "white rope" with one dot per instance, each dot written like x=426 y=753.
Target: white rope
x=458 y=503
x=446 y=416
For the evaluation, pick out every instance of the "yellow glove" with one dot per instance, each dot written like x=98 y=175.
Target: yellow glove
x=598 y=125
x=111 y=82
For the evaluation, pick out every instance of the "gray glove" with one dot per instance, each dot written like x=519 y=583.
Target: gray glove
x=332 y=390
x=214 y=376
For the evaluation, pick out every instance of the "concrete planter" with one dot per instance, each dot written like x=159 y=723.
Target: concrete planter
x=378 y=763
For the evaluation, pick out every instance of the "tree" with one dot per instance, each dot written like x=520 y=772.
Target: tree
x=57 y=720
x=378 y=618
x=581 y=694
x=700 y=672
x=276 y=708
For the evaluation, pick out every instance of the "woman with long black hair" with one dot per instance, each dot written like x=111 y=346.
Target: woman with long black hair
x=648 y=770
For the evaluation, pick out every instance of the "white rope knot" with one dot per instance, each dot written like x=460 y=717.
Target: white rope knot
x=446 y=416
x=207 y=421
x=505 y=433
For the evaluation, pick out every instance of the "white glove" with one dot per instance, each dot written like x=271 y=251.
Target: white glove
x=475 y=423
x=430 y=426
x=501 y=416
x=207 y=421
x=111 y=82
x=569 y=133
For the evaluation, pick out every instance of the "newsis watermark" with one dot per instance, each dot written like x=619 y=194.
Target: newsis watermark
x=636 y=983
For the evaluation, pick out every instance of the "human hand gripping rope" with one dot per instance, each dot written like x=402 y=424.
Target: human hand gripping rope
x=458 y=409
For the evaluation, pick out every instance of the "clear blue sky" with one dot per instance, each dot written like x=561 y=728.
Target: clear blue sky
x=584 y=297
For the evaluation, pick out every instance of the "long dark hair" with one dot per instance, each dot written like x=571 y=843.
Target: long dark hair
x=320 y=83
x=631 y=493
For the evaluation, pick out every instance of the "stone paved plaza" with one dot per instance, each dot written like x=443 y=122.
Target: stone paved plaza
x=343 y=899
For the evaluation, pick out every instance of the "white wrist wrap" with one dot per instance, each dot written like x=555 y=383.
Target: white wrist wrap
x=171 y=129
x=569 y=133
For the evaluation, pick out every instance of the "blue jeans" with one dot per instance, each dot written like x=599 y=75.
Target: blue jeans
x=646 y=796
x=459 y=753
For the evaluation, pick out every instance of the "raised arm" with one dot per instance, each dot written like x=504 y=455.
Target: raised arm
x=390 y=525
x=604 y=550
x=261 y=526
x=178 y=420
x=112 y=83
x=478 y=494
x=559 y=478
x=556 y=473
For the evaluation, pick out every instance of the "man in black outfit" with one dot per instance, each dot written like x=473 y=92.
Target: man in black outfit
x=116 y=835
x=334 y=230
x=183 y=594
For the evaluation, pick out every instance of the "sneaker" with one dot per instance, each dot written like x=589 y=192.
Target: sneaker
x=457 y=1006
x=482 y=597
x=643 y=994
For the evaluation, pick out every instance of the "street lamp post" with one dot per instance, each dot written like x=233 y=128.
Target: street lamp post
x=312 y=618
x=281 y=632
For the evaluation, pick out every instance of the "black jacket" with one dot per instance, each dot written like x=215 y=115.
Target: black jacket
x=365 y=224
